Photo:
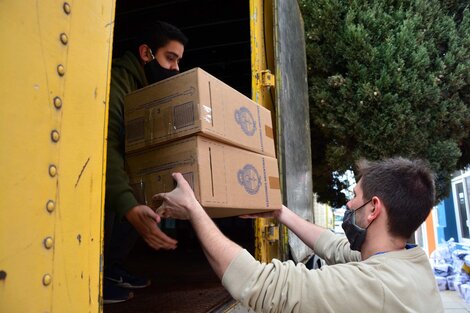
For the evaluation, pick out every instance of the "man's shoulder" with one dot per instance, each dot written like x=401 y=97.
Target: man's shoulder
x=126 y=59
x=127 y=70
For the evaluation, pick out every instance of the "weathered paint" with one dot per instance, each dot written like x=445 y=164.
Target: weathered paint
x=261 y=32
x=55 y=62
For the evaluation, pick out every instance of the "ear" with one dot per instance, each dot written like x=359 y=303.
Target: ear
x=145 y=53
x=377 y=207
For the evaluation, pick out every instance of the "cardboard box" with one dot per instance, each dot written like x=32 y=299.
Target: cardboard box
x=196 y=102
x=226 y=180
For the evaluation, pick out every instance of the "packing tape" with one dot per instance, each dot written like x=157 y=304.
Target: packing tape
x=269 y=131
x=274 y=182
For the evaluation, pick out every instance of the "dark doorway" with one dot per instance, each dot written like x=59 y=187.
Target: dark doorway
x=219 y=43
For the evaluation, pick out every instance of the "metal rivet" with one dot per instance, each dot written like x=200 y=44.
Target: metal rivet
x=50 y=206
x=61 y=70
x=67 y=8
x=52 y=170
x=57 y=102
x=64 y=39
x=55 y=136
x=48 y=242
x=46 y=280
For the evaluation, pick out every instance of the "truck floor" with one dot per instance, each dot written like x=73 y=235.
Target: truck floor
x=182 y=280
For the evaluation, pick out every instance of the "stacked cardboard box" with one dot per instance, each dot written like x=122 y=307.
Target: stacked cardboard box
x=220 y=140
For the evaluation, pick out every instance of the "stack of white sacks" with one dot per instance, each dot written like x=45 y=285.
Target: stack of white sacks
x=451 y=267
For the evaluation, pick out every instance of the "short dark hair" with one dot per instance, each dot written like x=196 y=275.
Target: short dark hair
x=158 y=35
x=406 y=188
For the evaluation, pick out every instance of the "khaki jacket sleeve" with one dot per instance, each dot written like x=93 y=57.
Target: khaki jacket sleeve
x=286 y=287
x=335 y=249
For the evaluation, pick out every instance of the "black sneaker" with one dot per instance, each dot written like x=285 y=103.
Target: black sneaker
x=121 y=278
x=115 y=294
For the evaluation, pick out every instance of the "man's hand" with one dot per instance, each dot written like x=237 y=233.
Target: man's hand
x=182 y=204
x=145 y=220
x=271 y=214
x=179 y=203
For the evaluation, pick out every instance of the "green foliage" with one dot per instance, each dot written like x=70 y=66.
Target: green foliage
x=387 y=78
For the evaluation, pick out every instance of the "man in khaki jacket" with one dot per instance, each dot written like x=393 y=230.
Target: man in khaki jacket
x=373 y=269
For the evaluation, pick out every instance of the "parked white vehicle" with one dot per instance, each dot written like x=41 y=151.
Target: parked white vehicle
x=338 y=215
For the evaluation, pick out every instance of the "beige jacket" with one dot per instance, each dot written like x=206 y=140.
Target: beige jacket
x=393 y=282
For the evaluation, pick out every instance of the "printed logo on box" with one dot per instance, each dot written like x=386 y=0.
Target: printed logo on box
x=246 y=121
x=249 y=178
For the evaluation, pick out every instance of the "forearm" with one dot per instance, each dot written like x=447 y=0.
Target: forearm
x=219 y=250
x=306 y=231
x=182 y=204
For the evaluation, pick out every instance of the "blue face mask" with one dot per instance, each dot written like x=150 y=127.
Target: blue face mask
x=355 y=234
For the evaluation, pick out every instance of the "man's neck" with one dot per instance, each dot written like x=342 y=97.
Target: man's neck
x=381 y=244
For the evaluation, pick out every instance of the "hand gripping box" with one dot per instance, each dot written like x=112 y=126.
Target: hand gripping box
x=226 y=180
x=196 y=102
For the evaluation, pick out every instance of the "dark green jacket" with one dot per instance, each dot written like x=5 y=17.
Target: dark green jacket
x=127 y=75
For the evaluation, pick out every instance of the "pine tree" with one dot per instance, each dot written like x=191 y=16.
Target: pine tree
x=387 y=78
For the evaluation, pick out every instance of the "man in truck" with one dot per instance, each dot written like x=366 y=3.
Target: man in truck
x=372 y=269
x=153 y=56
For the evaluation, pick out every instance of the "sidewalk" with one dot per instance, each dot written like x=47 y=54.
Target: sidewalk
x=453 y=303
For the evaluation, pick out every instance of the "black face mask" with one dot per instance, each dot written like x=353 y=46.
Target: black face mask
x=155 y=72
x=355 y=234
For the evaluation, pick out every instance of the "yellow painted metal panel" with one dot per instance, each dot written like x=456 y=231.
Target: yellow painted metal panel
x=262 y=59
x=55 y=62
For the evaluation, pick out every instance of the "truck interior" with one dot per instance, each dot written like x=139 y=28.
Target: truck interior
x=219 y=43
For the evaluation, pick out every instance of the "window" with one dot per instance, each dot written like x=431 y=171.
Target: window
x=461 y=195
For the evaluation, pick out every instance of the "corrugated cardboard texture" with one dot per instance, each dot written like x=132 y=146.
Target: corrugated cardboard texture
x=226 y=180
x=196 y=102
